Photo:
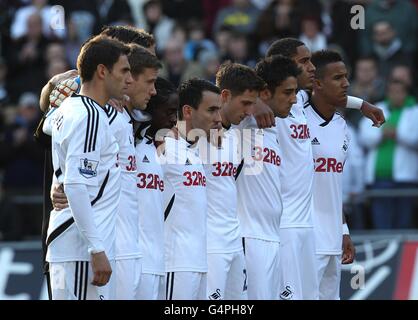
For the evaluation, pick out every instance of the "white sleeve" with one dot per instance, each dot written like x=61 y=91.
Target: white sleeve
x=78 y=199
x=354 y=102
x=49 y=121
x=83 y=150
x=406 y=131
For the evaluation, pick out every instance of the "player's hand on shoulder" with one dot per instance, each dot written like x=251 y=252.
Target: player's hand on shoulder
x=101 y=269
x=373 y=113
x=119 y=104
x=263 y=115
x=58 y=198
x=60 y=77
x=62 y=91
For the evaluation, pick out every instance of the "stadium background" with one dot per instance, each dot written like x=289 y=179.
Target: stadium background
x=193 y=38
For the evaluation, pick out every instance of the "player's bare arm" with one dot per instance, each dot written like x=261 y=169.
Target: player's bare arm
x=101 y=269
x=263 y=115
x=47 y=89
x=349 y=251
x=373 y=113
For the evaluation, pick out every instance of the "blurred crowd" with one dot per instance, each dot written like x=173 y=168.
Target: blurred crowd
x=193 y=37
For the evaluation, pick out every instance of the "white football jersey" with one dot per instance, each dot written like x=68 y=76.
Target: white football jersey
x=259 y=191
x=150 y=185
x=296 y=171
x=127 y=243
x=330 y=142
x=221 y=164
x=84 y=152
x=185 y=207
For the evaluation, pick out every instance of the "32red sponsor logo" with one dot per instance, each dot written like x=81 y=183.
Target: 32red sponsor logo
x=150 y=181
x=300 y=132
x=194 y=178
x=267 y=155
x=328 y=165
x=224 y=169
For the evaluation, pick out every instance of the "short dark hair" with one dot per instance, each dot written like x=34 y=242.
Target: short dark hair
x=286 y=47
x=99 y=50
x=276 y=69
x=238 y=78
x=128 y=34
x=320 y=59
x=164 y=90
x=141 y=59
x=191 y=93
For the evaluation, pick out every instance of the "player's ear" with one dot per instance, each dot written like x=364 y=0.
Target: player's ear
x=101 y=71
x=187 y=112
x=317 y=83
x=225 y=95
x=265 y=94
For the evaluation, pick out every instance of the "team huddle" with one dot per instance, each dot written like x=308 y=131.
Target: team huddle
x=226 y=191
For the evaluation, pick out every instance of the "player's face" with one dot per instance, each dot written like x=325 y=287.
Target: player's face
x=284 y=97
x=303 y=61
x=119 y=78
x=207 y=116
x=143 y=88
x=334 y=84
x=236 y=108
x=165 y=117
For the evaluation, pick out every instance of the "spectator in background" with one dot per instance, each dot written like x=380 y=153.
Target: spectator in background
x=56 y=66
x=392 y=157
x=366 y=85
x=388 y=48
x=211 y=9
x=159 y=25
x=176 y=68
x=209 y=61
x=55 y=51
x=278 y=20
x=222 y=38
x=20 y=27
x=353 y=182
x=311 y=34
x=22 y=158
x=403 y=73
x=400 y=14
x=238 y=50
x=197 y=41
x=26 y=59
x=242 y=16
x=73 y=43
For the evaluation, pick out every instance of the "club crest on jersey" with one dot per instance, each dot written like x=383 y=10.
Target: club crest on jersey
x=88 y=168
x=315 y=141
x=216 y=295
x=345 y=146
x=287 y=294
